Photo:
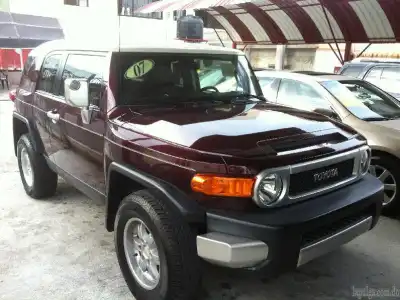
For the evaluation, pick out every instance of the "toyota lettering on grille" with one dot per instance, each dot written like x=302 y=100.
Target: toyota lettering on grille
x=326 y=175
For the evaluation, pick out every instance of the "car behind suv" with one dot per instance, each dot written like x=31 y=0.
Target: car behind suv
x=188 y=171
x=385 y=75
x=357 y=103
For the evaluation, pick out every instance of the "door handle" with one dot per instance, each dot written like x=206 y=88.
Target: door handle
x=54 y=116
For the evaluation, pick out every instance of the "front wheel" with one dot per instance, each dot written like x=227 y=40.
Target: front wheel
x=156 y=250
x=38 y=179
x=387 y=171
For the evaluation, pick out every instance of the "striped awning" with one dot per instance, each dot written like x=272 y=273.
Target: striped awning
x=296 y=21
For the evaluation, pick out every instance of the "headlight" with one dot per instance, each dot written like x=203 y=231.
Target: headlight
x=365 y=161
x=268 y=190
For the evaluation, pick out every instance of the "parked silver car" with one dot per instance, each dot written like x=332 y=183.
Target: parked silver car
x=357 y=103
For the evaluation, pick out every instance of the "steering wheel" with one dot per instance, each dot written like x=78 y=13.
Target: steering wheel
x=209 y=88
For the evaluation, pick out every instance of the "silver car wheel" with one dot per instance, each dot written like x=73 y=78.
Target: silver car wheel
x=26 y=167
x=388 y=180
x=141 y=254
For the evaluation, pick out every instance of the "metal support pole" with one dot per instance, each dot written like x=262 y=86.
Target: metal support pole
x=334 y=52
x=347 y=52
x=333 y=34
x=216 y=32
x=365 y=49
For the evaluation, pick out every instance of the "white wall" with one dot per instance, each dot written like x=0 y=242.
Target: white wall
x=325 y=60
x=99 y=23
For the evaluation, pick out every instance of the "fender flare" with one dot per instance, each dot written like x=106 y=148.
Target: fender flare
x=36 y=140
x=191 y=211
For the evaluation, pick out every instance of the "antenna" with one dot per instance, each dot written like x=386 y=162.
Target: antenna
x=119 y=24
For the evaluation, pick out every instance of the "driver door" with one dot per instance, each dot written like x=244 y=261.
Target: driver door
x=47 y=104
x=82 y=155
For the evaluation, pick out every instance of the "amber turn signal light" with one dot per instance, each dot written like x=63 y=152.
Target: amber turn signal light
x=222 y=186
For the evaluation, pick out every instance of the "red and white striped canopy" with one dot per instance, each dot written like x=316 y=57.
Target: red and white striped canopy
x=297 y=21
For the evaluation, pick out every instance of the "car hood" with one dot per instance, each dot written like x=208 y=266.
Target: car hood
x=244 y=129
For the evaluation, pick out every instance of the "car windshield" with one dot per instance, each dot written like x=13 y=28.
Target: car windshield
x=165 y=77
x=363 y=99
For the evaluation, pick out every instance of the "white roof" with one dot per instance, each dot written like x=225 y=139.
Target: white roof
x=174 y=46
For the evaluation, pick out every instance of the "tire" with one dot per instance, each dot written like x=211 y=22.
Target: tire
x=43 y=181
x=391 y=165
x=179 y=271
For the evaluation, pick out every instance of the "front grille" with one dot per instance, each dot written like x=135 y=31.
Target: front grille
x=304 y=182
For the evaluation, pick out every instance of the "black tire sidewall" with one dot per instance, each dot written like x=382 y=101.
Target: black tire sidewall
x=134 y=210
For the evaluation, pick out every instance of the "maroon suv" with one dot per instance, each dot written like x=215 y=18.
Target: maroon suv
x=192 y=162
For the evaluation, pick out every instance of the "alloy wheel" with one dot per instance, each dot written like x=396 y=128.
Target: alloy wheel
x=141 y=254
x=388 y=180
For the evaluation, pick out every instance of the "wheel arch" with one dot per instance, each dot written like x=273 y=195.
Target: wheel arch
x=21 y=125
x=378 y=152
x=123 y=180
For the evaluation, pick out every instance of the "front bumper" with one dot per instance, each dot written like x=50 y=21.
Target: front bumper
x=284 y=238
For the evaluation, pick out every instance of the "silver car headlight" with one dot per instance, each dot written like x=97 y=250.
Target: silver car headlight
x=365 y=161
x=269 y=188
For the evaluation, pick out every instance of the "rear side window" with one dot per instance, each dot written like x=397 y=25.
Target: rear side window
x=391 y=73
x=353 y=71
x=48 y=73
x=25 y=82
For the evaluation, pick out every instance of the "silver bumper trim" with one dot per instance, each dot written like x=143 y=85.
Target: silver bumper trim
x=231 y=251
x=334 y=241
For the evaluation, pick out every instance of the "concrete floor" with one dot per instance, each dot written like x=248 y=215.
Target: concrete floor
x=59 y=249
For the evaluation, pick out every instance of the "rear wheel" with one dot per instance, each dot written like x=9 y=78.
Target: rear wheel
x=156 y=249
x=386 y=170
x=38 y=179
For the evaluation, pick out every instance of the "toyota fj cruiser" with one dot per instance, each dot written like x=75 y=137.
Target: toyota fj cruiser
x=192 y=162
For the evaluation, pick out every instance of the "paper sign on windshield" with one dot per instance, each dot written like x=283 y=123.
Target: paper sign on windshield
x=139 y=69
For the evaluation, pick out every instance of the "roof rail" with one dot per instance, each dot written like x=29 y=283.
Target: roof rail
x=313 y=73
x=379 y=61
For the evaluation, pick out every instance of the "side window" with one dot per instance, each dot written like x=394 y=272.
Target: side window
x=300 y=95
x=391 y=73
x=85 y=67
x=48 y=73
x=390 y=79
x=267 y=87
x=352 y=71
x=211 y=74
x=374 y=74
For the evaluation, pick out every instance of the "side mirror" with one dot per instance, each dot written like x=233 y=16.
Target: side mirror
x=327 y=112
x=76 y=92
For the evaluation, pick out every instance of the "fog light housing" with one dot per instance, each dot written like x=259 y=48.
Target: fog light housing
x=268 y=190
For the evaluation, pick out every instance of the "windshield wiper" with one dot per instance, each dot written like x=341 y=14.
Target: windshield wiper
x=248 y=95
x=376 y=119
